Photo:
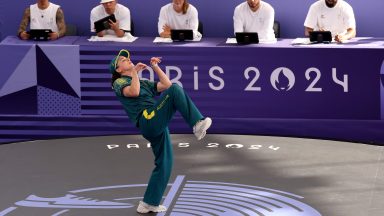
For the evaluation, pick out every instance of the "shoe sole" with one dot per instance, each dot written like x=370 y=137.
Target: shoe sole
x=144 y=210
x=148 y=211
x=205 y=128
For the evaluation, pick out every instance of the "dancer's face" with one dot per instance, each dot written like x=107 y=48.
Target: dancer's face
x=124 y=64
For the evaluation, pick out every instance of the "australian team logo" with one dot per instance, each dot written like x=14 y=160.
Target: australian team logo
x=185 y=197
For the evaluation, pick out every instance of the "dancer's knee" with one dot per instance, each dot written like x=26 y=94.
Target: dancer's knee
x=175 y=87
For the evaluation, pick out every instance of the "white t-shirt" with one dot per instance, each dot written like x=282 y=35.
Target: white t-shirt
x=260 y=21
x=44 y=19
x=122 y=14
x=337 y=19
x=168 y=16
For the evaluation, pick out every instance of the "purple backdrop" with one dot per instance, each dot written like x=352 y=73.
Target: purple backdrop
x=332 y=112
x=291 y=15
x=250 y=82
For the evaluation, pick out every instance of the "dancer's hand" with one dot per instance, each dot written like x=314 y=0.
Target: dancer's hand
x=139 y=67
x=155 y=60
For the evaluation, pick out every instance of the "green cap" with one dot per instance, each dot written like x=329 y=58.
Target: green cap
x=113 y=64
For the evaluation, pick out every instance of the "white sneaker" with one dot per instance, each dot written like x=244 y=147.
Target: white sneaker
x=201 y=127
x=146 y=208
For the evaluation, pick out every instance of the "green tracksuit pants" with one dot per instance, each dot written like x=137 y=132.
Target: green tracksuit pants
x=154 y=127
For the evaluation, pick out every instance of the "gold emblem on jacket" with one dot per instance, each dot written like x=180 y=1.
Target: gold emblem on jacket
x=148 y=116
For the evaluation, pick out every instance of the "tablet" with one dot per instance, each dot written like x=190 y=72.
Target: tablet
x=103 y=23
x=39 y=34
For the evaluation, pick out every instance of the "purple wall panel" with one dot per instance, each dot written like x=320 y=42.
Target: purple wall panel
x=11 y=58
x=23 y=102
x=27 y=70
x=66 y=60
x=55 y=103
x=329 y=114
x=221 y=88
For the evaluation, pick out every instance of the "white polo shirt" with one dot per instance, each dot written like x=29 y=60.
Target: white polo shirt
x=168 y=16
x=337 y=19
x=260 y=21
x=122 y=14
x=44 y=19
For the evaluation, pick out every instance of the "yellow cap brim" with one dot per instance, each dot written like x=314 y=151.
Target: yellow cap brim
x=122 y=52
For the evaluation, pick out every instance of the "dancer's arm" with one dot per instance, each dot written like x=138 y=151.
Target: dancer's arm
x=164 y=83
x=134 y=89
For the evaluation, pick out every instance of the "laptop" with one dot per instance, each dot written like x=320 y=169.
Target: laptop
x=103 y=23
x=181 y=34
x=247 y=38
x=39 y=34
x=320 y=36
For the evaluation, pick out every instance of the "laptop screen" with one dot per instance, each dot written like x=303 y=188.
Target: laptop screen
x=247 y=37
x=320 y=36
x=181 y=34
